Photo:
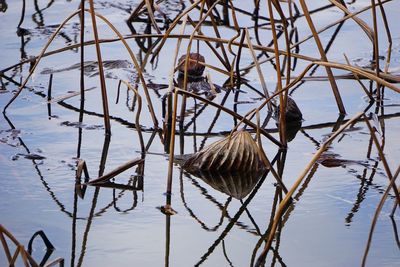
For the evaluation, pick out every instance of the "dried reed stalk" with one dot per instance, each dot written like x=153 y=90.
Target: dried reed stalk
x=282 y=99
x=232 y=113
x=388 y=34
x=335 y=89
x=178 y=44
x=73 y=46
x=186 y=64
x=27 y=259
x=211 y=5
x=81 y=168
x=106 y=177
x=382 y=157
x=237 y=28
x=137 y=117
x=172 y=116
x=376 y=215
x=137 y=67
x=284 y=203
x=359 y=82
x=376 y=45
x=167 y=207
x=255 y=60
x=361 y=72
x=363 y=25
x=82 y=58
x=172 y=26
x=150 y=13
x=37 y=60
x=107 y=124
x=213 y=49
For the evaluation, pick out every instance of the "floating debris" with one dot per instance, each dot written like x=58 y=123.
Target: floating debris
x=30 y=156
x=10 y=137
x=332 y=160
x=81 y=125
x=157 y=86
x=167 y=210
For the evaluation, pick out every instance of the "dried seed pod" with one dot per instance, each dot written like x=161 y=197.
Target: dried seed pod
x=194 y=68
x=238 y=153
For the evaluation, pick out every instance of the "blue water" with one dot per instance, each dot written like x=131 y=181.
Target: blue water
x=328 y=224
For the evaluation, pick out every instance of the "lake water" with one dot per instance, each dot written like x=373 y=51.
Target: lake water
x=327 y=225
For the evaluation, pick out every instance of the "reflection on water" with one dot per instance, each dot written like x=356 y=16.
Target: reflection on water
x=48 y=156
x=91 y=68
x=234 y=184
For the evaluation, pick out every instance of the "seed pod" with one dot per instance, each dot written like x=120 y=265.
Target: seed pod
x=238 y=153
x=194 y=68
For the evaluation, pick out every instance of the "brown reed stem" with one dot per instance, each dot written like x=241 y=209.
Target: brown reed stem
x=364 y=26
x=259 y=71
x=237 y=28
x=185 y=76
x=138 y=69
x=106 y=177
x=150 y=13
x=37 y=60
x=389 y=35
x=335 y=89
x=282 y=99
x=171 y=150
x=382 y=157
x=107 y=124
x=172 y=26
x=376 y=215
x=284 y=203
x=215 y=27
x=82 y=59
x=137 y=117
x=376 y=47
x=232 y=113
x=359 y=82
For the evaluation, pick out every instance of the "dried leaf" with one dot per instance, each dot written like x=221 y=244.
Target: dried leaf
x=237 y=153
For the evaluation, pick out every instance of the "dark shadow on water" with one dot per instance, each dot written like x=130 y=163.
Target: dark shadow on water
x=235 y=184
x=236 y=216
